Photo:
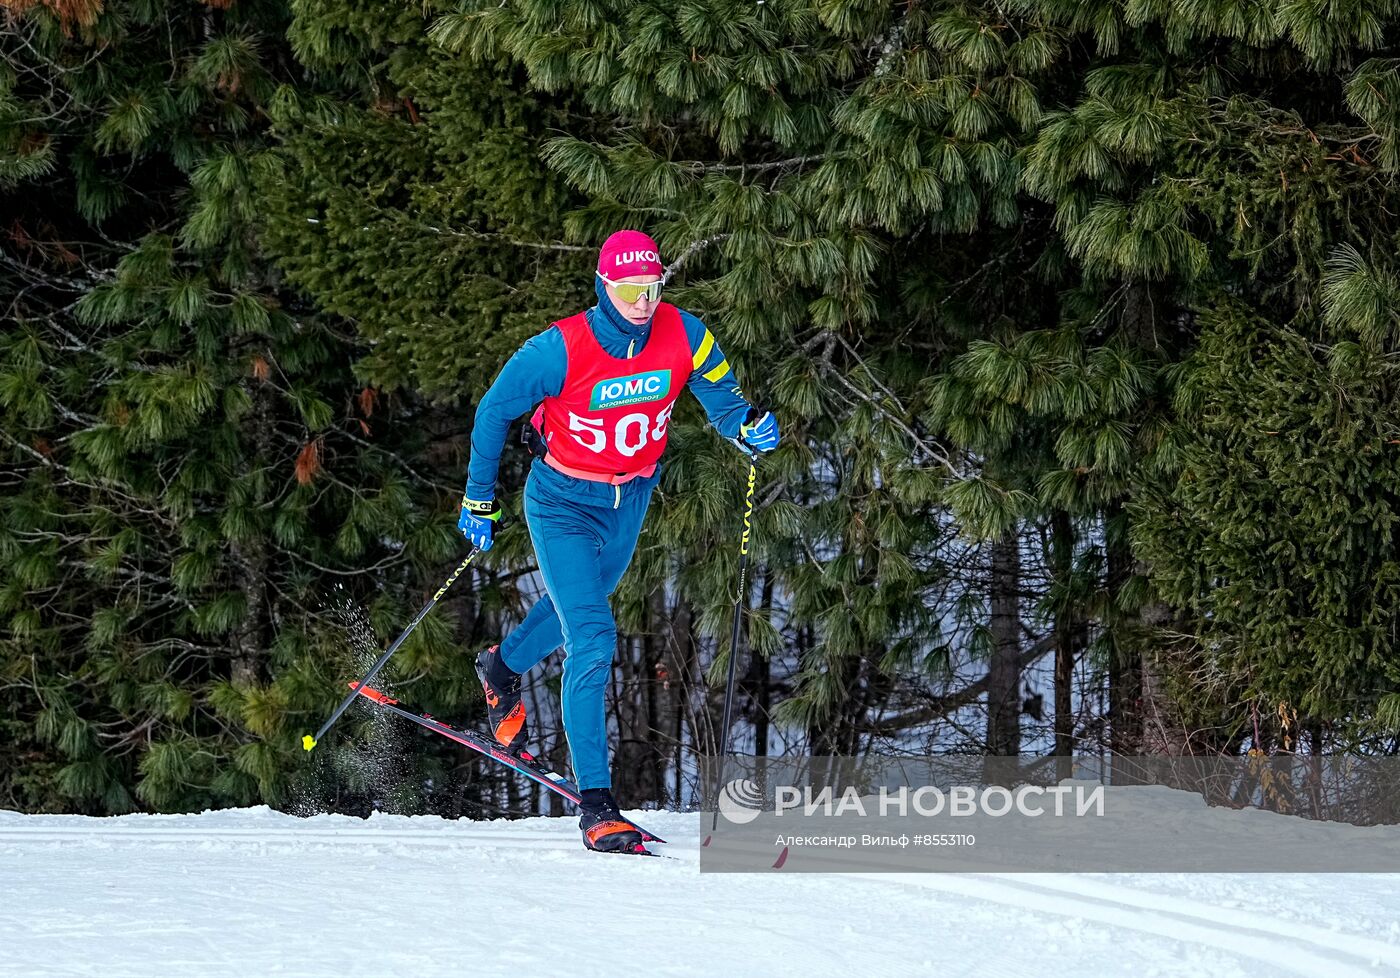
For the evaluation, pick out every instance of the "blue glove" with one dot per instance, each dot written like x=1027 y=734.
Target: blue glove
x=478 y=521
x=758 y=433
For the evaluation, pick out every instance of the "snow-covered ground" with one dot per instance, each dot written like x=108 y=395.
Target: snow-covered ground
x=253 y=892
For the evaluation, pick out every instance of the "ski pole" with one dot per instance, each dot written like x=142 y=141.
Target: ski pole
x=308 y=742
x=738 y=611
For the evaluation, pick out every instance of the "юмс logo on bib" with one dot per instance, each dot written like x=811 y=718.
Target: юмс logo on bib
x=636 y=389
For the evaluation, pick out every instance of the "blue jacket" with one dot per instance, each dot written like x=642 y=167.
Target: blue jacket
x=536 y=371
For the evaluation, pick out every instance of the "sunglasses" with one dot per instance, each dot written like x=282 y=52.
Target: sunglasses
x=630 y=292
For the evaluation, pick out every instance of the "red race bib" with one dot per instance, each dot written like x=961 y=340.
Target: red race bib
x=611 y=415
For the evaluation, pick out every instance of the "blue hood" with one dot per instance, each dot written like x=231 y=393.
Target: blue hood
x=614 y=331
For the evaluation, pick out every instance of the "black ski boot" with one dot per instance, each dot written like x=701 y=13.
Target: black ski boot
x=504 y=710
x=604 y=829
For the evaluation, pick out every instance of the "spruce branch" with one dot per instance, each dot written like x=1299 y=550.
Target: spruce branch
x=932 y=452
x=299 y=557
x=939 y=706
x=474 y=234
x=403 y=463
x=691 y=250
x=746 y=168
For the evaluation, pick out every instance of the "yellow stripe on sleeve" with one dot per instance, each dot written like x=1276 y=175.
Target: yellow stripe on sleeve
x=706 y=345
x=714 y=375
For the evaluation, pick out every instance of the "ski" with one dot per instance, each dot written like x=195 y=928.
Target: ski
x=522 y=762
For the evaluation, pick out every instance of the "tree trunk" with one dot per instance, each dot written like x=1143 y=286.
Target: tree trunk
x=676 y=673
x=1125 y=664
x=1004 y=670
x=1069 y=631
x=832 y=734
x=251 y=640
x=759 y=667
x=1163 y=730
x=636 y=767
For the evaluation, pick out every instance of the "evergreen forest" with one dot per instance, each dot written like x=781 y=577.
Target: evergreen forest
x=1081 y=319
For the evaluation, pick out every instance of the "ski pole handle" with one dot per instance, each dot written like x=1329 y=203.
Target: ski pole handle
x=308 y=742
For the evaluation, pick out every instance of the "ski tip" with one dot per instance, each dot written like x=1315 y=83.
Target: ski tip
x=308 y=742
x=706 y=842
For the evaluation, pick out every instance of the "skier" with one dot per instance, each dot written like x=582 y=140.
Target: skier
x=602 y=384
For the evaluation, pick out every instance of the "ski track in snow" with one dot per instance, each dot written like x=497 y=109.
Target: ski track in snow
x=251 y=892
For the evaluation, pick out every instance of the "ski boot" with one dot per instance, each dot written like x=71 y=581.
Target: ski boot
x=504 y=710
x=604 y=829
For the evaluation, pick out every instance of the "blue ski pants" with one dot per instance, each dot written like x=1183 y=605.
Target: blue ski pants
x=584 y=535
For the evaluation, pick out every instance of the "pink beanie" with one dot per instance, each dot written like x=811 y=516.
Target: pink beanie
x=628 y=253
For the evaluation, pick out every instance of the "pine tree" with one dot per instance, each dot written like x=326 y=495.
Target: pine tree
x=1204 y=172
x=190 y=462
